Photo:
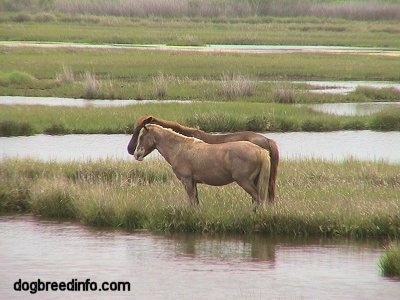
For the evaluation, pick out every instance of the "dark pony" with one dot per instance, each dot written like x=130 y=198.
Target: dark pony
x=252 y=137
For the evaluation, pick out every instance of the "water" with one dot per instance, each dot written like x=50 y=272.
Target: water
x=256 y=49
x=353 y=109
x=70 y=102
x=331 y=146
x=345 y=87
x=187 y=266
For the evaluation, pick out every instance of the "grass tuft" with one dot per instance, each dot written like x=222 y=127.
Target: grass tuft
x=15 y=128
x=387 y=119
x=390 y=261
x=91 y=86
x=237 y=85
x=284 y=94
x=66 y=75
x=55 y=201
x=16 y=78
x=160 y=84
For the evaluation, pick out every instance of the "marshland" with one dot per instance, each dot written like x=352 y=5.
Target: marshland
x=347 y=208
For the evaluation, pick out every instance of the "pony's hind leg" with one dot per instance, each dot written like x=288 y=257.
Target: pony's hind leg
x=251 y=189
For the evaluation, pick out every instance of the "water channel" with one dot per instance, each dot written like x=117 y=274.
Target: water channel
x=331 y=146
x=255 y=49
x=192 y=266
x=187 y=266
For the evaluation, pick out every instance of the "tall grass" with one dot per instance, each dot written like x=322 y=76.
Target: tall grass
x=91 y=85
x=373 y=9
x=66 y=75
x=351 y=199
x=237 y=85
x=285 y=94
x=160 y=84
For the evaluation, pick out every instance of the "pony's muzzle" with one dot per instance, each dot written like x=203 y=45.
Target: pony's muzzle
x=139 y=154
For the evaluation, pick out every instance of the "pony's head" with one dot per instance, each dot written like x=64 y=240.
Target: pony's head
x=140 y=123
x=145 y=143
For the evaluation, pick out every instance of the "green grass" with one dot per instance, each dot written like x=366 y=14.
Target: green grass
x=212 y=117
x=390 y=261
x=127 y=74
x=198 y=30
x=352 y=199
x=138 y=64
x=177 y=32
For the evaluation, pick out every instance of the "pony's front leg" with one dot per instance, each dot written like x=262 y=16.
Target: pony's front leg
x=191 y=189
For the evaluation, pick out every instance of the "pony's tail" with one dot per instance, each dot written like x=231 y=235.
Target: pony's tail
x=274 y=154
x=263 y=176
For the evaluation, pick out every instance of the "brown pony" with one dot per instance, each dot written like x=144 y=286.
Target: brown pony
x=252 y=137
x=194 y=161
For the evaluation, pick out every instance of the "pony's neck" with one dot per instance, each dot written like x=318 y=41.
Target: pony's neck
x=168 y=143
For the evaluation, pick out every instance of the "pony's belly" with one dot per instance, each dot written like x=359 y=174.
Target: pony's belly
x=215 y=179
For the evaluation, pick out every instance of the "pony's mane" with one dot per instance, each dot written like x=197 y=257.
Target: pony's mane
x=173 y=125
x=174 y=132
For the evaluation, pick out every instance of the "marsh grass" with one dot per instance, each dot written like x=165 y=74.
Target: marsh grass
x=91 y=85
x=160 y=84
x=315 y=198
x=131 y=73
x=387 y=119
x=66 y=75
x=208 y=116
x=16 y=78
x=371 y=10
x=390 y=261
x=15 y=128
x=237 y=85
x=285 y=94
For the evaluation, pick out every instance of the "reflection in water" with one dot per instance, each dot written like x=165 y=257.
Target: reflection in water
x=336 y=146
x=213 y=248
x=188 y=266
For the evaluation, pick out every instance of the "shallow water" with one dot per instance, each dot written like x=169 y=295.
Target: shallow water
x=331 y=146
x=353 y=109
x=213 y=48
x=187 y=266
x=345 y=87
x=70 y=102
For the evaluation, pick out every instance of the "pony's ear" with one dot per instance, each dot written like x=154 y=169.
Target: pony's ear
x=146 y=127
x=148 y=120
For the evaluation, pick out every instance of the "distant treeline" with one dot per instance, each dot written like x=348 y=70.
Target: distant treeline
x=350 y=9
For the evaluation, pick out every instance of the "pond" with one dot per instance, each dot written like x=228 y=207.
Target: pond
x=187 y=266
x=332 y=146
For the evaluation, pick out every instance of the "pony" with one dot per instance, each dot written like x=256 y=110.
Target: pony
x=194 y=161
x=252 y=137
